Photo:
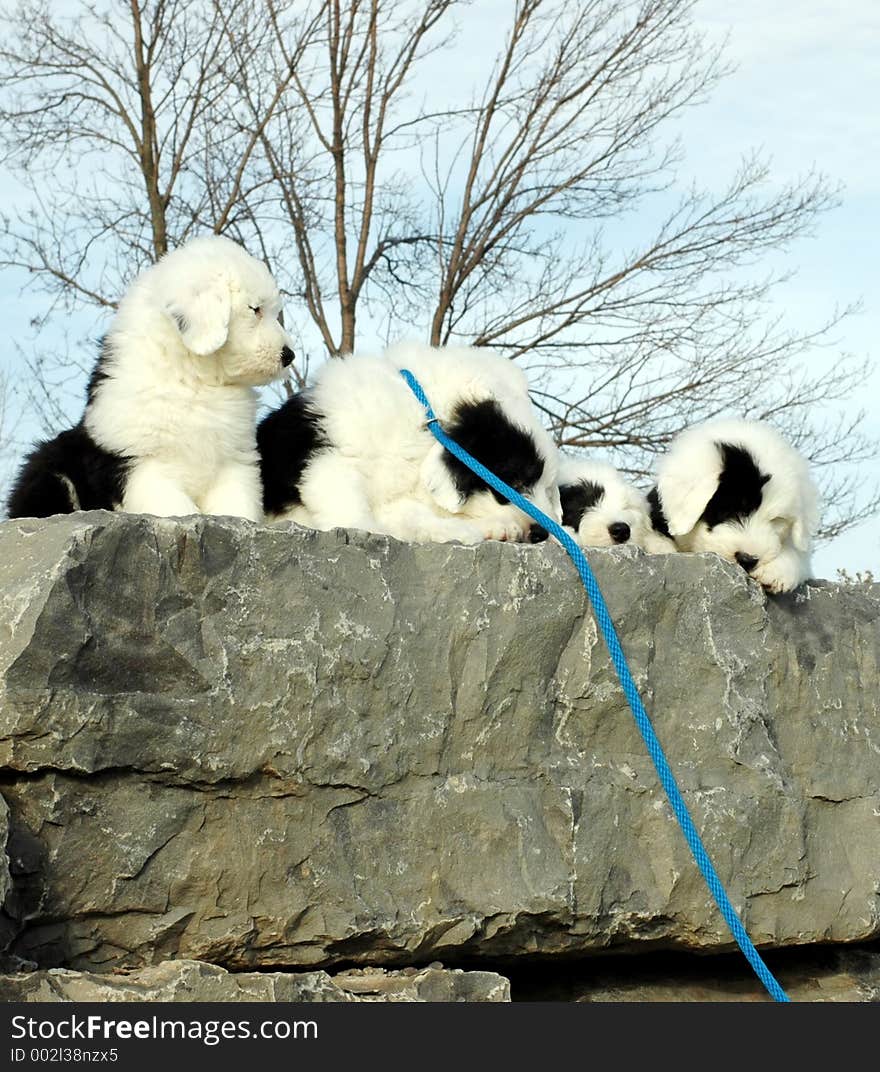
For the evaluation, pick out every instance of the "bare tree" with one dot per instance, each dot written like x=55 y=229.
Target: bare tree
x=627 y=345
x=116 y=122
x=99 y=116
x=336 y=151
x=395 y=196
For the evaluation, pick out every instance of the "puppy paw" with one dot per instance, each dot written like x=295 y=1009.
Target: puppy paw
x=500 y=530
x=464 y=532
x=778 y=575
x=655 y=543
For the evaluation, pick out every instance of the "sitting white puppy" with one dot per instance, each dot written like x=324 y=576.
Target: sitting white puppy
x=169 y=426
x=738 y=488
x=604 y=510
x=354 y=449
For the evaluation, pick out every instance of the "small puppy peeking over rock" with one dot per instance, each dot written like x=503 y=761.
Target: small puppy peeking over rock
x=604 y=510
x=738 y=488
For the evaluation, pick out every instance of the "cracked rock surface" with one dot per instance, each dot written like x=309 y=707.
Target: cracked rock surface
x=187 y=980
x=263 y=747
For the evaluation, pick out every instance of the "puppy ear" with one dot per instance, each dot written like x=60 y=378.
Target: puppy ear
x=201 y=313
x=806 y=521
x=685 y=494
x=435 y=476
x=800 y=535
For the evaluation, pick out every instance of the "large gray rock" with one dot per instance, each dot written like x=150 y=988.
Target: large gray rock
x=187 y=980
x=268 y=746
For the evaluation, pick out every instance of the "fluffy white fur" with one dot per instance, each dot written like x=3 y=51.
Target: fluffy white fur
x=191 y=339
x=383 y=470
x=621 y=503
x=778 y=534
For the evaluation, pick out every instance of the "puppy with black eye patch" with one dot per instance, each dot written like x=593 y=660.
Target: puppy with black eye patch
x=738 y=488
x=354 y=451
x=602 y=509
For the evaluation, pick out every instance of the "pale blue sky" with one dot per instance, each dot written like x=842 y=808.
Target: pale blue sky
x=804 y=91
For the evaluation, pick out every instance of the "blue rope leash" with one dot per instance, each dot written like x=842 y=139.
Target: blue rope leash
x=629 y=687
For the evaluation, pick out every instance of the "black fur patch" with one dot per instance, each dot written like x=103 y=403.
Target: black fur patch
x=99 y=372
x=486 y=433
x=97 y=475
x=739 y=493
x=658 y=518
x=577 y=499
x=287 y=438
x=43 y=484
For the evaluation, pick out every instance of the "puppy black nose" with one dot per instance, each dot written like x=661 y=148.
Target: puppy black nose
x=537 y=534
x=748 y=562
x=619 y=531
x=286 y=356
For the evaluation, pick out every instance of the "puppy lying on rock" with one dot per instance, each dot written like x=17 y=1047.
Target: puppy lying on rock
x=354 y=451
x=738 y=488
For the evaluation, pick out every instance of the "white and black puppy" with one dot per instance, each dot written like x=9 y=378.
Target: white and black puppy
x=354 y=450
x=738 y=488
x=605 y=510
x=169 y=426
